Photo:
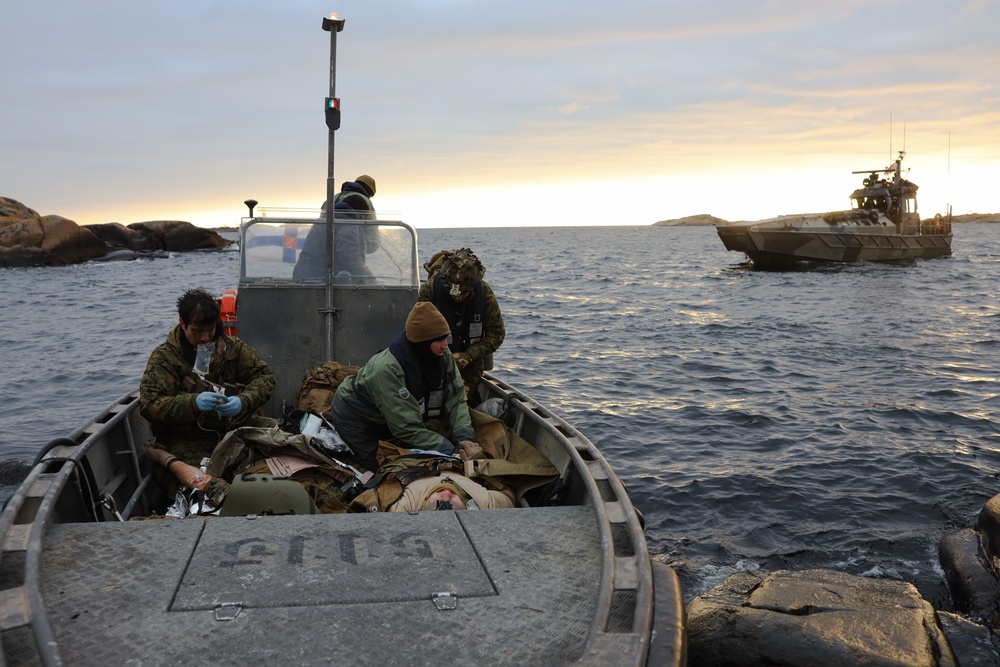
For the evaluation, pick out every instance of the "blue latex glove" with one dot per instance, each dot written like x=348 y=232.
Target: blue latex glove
x=232 y=407
x=208 y=400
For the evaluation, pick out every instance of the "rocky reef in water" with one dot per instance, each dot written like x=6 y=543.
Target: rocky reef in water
x=30 y=239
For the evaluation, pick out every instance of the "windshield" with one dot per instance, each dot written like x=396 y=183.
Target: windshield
x=366 y=252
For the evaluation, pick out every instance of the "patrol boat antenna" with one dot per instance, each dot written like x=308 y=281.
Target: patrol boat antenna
x=333 y=25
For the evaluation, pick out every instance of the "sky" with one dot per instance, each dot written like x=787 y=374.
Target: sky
x=473 y=113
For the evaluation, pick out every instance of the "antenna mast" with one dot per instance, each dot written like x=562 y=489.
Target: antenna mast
x=890 y=137
x=949 y=175
x=333 y=25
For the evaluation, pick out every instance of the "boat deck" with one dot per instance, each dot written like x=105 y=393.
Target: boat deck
x=208 y=590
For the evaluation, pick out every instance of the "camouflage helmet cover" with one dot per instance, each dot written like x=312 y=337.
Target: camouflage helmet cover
x=461 y=270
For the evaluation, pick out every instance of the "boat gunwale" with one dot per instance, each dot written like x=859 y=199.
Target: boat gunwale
x=609 y=559
x=35 y=615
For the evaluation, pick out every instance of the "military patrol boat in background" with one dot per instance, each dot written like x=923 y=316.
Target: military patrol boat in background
x=83 y=582
x=883 y=225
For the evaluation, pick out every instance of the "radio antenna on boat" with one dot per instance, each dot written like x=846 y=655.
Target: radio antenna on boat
x=890 y=137
x=333 y=25
x=948 y=189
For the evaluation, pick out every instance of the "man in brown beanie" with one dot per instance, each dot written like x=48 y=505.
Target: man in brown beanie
x=403 y=387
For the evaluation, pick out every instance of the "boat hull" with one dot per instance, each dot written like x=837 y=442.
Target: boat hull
x=770 y=247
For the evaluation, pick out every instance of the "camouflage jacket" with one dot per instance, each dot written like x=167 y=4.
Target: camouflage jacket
x=494 y=332
x=168 y=402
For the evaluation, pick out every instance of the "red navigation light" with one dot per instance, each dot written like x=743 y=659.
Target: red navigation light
x=333 y=113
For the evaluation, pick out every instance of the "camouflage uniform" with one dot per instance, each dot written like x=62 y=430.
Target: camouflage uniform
x=167 y=398
x=461 y=267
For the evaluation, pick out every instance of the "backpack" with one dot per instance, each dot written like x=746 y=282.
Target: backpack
x=320 y=384
x=433 y=266
x=244 y=450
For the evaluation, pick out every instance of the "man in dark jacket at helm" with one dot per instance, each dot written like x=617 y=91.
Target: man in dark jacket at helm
x=468 y=303
x=352 y=242
x=358 y=195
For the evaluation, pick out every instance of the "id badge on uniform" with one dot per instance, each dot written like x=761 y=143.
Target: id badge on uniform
x=435 y=400
x=476 y=328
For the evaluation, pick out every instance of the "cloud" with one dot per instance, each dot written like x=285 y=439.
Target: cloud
x=570 y=108
x=117 y=108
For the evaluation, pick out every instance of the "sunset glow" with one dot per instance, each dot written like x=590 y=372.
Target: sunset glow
x=466 y=117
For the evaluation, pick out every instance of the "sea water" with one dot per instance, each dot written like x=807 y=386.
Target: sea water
x=842 y=417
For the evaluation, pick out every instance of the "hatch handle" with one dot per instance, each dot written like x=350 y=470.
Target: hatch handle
x=228 y=611
x=445 y=601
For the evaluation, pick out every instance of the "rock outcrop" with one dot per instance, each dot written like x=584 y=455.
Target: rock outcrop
x=970 y=558
x=971 y=577
x=29 y=239
x=169 y=235
x=119 y=236
x=821 y=617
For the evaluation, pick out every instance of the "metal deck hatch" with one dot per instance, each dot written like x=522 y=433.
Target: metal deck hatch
x=296 y=561
x=170 y=589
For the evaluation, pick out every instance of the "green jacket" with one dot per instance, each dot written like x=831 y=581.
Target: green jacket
x=170 y=406
x=392 y=406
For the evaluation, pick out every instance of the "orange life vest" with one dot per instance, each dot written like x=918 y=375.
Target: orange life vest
x=227 y=311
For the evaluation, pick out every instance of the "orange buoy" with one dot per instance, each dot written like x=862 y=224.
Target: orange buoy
x=227 y=311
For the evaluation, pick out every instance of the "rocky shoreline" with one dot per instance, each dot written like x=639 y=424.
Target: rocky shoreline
x=824 y=617
x=30 y=239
